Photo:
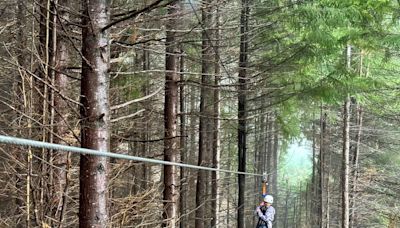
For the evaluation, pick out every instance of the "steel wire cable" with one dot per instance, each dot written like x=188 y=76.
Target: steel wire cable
x=38 y=144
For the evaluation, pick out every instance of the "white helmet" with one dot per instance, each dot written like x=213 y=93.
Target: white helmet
x=269 y=199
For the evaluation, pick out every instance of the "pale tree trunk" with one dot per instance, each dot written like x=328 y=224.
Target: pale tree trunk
x=356 y=155
x=328 y=192
x=171 y=152
x=95 y=114
x=216 y=125
x=242 y=110
x=62 y=84
x=345 y=163
x=322 y=150
x=144 y=135
x=346 y=152
x=294 y=218
x=269 y=150
x=275 y=158
x=228 y=184
x=355 y=164
x=326 y=168
x=206 y=110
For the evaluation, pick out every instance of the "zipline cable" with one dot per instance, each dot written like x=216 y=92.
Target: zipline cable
x=28 y=142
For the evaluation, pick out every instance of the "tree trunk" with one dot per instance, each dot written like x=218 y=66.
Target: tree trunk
x=206 y=111
x=18 y=90
x=62 y=84
x=242 y=110
x=314 y=187
x=171 y=152
x=228 y=184
x=328 y=192
x=216 y=125
x=294 y=218
x=286 y=220
x=355 y=157
x=346 y=152
x=184 y=178
x=355 y=163
x=345 y=164
x=269 y=150
x=144 y=135
x=321 y=208
x=191 y=153
x=95 y=114
x=275 y=158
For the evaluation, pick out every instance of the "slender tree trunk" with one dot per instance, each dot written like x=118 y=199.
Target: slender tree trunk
x=345 y=163
x=48 y=63
x=321 y=209
x=275 y=158
x=62 y=84
x=353 y=214
x=294 y=218
x=314 y=186
x=18 y=89
x=242 y=110
x=171 y=153
x=355 y=157
x=346 y=153
x=206 y=111
x=191 y=153
x=145 y=133
x=228 y=182
x=216 y=125
x=95 y=114
x=286 y=220
x=269 y=150
x=184 y=179
x=328 y=192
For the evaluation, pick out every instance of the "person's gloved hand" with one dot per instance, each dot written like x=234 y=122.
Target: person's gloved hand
x=258 y=209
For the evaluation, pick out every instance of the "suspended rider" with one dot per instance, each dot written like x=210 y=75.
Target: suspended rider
x=265 y=212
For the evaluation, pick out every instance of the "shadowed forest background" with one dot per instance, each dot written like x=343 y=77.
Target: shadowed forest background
x=306 y=91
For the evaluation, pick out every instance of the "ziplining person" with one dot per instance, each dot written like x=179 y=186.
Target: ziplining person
x=265 y=211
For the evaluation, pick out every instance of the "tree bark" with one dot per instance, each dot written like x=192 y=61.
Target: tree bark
x=321 y=176
x=216 y=125
x=346 y=152
x=95 y=114
x=62 y=84
x=184 y=178
x=206 y=111
x=314 y=183
x=171 y=152
x=356 y=155
x=345 y=163
x=275 y=158
x=242 y=110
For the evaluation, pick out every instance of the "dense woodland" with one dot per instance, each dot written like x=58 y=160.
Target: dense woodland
x=227 y=84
